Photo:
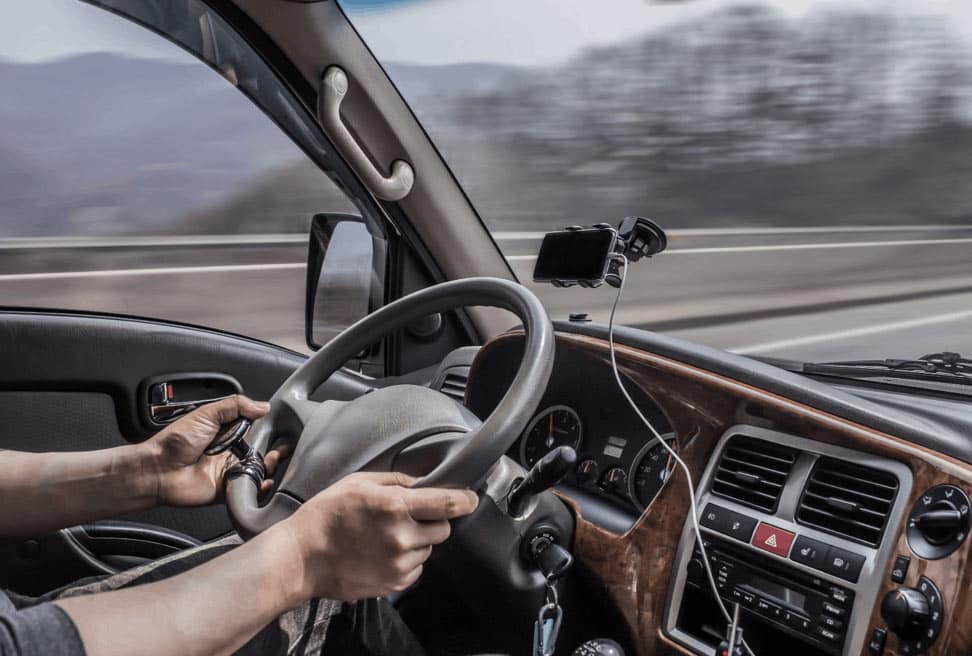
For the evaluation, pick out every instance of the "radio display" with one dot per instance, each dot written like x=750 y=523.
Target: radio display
x=780 y=592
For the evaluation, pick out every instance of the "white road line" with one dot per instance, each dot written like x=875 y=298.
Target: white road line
x=769 y=230
x=852 y=332
x=792 y=247
x=158 y=271
x=797 y=230
x=51 y=243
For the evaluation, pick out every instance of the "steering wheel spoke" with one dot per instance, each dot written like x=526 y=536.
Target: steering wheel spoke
x=302 y=409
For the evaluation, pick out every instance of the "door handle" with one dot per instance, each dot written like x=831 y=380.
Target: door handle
x=334 y=87
x=169 y=397
x=164 y=413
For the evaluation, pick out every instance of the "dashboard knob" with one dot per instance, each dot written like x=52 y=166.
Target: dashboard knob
x=695 y=569
x=905 y=611
x=939 y=521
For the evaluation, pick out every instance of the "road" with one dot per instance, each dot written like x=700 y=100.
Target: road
x=807 y=293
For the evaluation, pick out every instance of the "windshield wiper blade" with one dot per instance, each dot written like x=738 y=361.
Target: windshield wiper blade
x=942 y=366
x=936 y=363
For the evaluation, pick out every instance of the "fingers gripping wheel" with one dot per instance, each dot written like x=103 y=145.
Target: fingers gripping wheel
x=334 y=439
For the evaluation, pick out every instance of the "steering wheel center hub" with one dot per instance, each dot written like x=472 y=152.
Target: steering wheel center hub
x=368 y=433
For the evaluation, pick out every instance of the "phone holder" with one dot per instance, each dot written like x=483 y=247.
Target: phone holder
x=641 y=237
x=636 y=237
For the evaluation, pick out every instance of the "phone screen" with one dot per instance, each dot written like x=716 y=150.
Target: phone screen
x=574 y=255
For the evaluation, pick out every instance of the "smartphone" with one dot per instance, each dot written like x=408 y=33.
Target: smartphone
x=575 y=256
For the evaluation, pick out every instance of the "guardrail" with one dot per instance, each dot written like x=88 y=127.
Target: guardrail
x=708 y=279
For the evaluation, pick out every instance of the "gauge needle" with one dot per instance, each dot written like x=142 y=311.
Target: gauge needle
x=550 y=432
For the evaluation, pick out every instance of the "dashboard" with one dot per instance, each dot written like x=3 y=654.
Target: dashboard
x=836 y=518
x=620 y=462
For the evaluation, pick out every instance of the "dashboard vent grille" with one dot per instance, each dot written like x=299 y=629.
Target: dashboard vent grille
x=753 y=472
x=454 y=383
x=848 y=500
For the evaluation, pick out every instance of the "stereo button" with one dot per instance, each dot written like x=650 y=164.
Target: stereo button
x=836 y=611
x=831 y=622
x=828 y=634
x=797 y=621
x=773 y=539
x=838 y=594
x=769 y=609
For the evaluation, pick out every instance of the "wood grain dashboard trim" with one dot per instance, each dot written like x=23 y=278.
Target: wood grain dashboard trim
x=634 y=568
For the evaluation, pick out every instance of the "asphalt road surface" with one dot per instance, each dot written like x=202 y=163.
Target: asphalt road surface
x=806 y=293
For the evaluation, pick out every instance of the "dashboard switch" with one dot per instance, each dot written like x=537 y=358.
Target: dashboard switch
x=900 y=569
x=714 y=517
x=773 y=539
x=727 y=522
x=875 y=646
x=843 y=563
x=810 y=552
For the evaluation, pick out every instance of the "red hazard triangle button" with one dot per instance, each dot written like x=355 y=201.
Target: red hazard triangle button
x=773 y=539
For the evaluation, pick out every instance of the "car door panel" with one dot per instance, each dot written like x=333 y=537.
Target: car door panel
x=74 y=382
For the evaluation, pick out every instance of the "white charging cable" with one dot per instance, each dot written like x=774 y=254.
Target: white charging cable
x=694 y=513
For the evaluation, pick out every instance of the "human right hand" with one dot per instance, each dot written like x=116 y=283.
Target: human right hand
x=370 y=533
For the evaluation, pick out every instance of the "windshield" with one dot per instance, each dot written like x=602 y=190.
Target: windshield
x=810 y=160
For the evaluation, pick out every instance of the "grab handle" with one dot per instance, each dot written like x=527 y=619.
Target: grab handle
x=334 y=87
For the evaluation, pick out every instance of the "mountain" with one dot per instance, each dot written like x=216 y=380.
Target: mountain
x=122 y=145
x=744 y=116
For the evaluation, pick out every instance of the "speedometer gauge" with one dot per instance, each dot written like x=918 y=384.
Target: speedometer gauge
x=650 y=471
x=558 y=425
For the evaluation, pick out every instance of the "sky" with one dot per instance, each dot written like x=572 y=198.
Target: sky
x=518 y=32
x=40 y=30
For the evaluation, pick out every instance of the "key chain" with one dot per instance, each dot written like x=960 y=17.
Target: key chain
x=547 y=627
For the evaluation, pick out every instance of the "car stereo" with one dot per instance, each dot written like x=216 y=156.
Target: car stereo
x=798 y=603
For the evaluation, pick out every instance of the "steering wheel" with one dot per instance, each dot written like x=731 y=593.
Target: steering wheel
x=375 y=431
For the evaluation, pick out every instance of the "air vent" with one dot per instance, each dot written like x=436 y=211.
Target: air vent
x=753 y=472
x=454 y=383
x=848 y=500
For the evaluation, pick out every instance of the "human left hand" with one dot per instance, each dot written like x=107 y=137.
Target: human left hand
x=185 y=476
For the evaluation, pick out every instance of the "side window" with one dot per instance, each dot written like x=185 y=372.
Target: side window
x=136 y=179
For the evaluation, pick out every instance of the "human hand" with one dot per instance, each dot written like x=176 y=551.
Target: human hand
x=370 y=533
x=184 y=475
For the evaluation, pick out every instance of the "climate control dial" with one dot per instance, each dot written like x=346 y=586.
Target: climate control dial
x=915 y=615
x=939 y=522
x=906 y=612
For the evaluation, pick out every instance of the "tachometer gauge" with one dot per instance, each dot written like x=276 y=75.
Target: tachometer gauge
x=556 y=426
x=651 y=469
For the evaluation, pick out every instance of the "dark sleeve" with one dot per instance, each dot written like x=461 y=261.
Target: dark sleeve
x=43 y=630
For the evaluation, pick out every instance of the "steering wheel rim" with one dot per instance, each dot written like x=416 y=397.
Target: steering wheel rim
x=484 y=444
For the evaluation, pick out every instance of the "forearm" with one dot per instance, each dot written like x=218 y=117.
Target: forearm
x=46 y=491
x=213 y=609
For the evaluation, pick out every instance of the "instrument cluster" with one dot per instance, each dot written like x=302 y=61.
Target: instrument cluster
x=619 y=461
x=627 y=467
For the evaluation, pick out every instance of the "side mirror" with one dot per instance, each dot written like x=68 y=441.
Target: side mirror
x=345 y=276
